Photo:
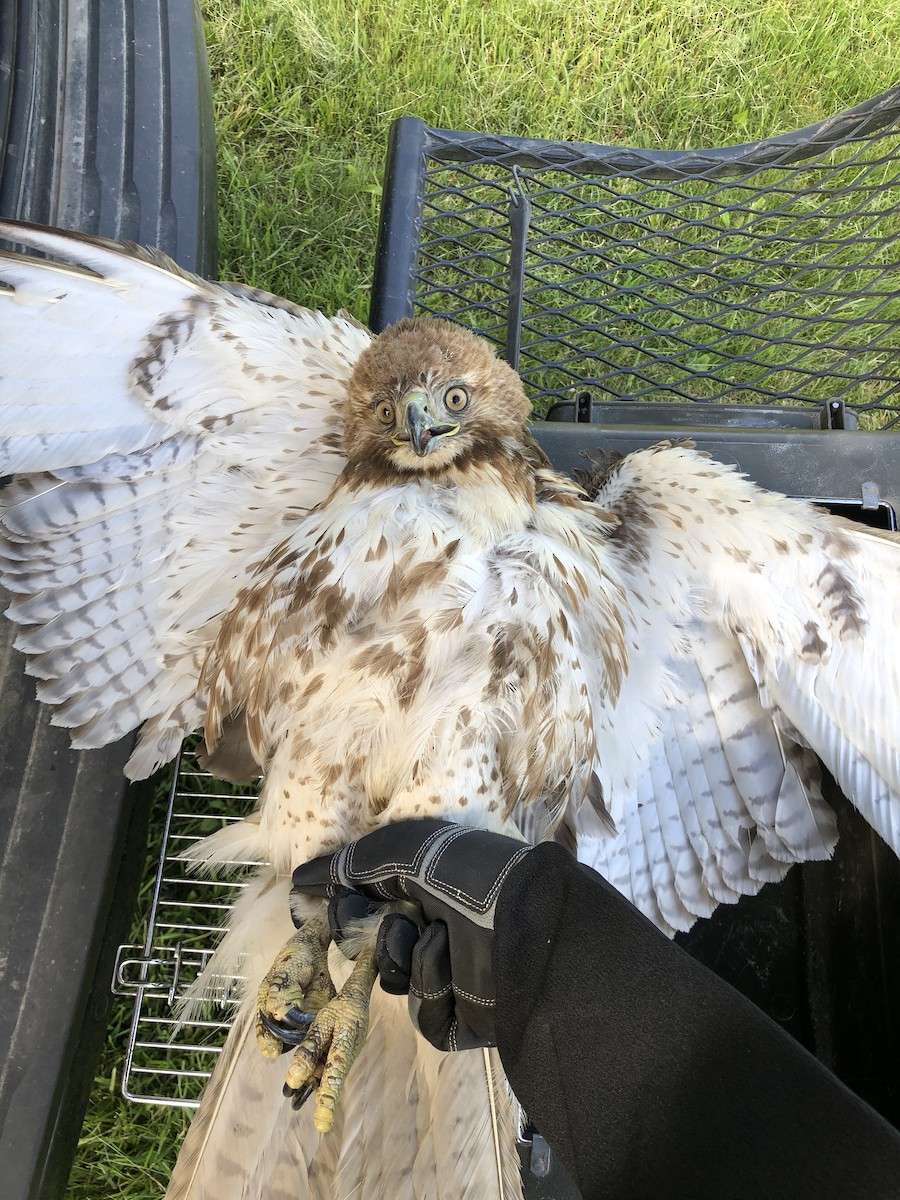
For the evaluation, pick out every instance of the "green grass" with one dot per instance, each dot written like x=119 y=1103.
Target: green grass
x=125 y=1150
x=305 y=92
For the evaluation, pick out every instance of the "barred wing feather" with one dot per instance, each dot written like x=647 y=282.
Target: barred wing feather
x=166 y=433
x=769 y=639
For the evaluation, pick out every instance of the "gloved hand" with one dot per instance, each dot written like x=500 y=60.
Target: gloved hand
x=454 y=875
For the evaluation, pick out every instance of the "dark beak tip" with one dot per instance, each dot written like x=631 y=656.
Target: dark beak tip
x=422 y=427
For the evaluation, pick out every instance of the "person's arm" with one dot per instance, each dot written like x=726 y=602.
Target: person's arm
x=649 y=1076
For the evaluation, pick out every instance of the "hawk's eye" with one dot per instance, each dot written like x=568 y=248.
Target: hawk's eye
x=385 y=411
x=456 y=398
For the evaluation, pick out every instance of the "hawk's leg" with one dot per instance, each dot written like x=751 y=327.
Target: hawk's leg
x=298 y=1006
x=333 y=1042
x=297 y=986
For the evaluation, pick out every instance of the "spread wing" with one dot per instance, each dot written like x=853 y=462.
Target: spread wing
x=762 y=633
x=165 y=434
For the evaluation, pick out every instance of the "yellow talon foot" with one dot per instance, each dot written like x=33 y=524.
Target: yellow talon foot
x=297 y=985
x=333 y=1042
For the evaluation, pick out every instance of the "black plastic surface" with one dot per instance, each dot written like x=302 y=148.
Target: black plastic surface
x=584 y=408
x=807 y=463
x=106 y=121
x=105 y=127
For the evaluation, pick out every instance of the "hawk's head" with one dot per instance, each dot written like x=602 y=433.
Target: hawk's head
x=427 y=395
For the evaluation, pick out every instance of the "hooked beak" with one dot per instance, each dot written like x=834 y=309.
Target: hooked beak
x=416 y=425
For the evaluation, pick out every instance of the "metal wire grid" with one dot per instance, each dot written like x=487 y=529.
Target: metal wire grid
x=167 y=1062
x=761 y=273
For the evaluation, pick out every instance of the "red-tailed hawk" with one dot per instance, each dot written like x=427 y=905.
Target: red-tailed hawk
x=345 y=559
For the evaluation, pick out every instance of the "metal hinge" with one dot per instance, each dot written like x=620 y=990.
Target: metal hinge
x=871 y=500
x=137 y=972
x=534 y=1153
x=166 y=972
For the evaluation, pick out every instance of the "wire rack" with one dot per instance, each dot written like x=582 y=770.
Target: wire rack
x=167 y=1062
x=758 y=273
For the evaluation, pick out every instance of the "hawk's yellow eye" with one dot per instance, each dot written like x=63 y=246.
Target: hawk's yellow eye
x=456 y=398
x=385 y=411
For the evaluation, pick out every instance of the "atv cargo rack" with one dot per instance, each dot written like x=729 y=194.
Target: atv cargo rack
x=746 y=298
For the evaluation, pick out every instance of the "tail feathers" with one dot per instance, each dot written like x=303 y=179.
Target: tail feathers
x=467 y=1122
x=412 y=1124
x=240 y=1106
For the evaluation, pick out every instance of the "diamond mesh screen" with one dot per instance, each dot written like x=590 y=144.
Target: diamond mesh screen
x=758 y=273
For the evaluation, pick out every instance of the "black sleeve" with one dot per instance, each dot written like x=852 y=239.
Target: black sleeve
x=651 y=1077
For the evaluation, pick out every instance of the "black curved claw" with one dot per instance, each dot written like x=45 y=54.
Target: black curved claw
x=293 y=1030
x=298 y=1096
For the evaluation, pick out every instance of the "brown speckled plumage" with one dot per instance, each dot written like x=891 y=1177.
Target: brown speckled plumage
x=347 y=560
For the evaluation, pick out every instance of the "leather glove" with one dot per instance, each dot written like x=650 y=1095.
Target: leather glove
x=454 y=875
